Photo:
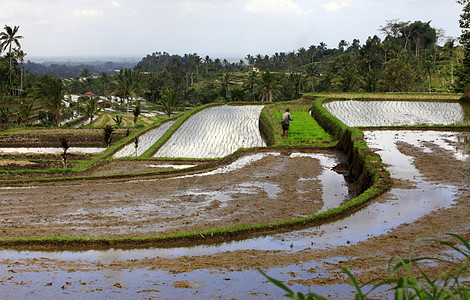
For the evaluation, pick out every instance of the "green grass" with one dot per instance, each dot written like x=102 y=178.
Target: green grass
x=389 y=96
x=375 y=179
x=304 y=128
x=303 y=131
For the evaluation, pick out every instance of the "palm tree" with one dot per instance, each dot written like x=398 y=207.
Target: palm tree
x=136 y=112
x=312 y=72
x=7 y=38
x=105 y=78
x=126 y=86
x=269 y=86
x=91 y=108
x=49 y=91
x=225 y=84
x=24 y=111
x=296 y=81
x=169 y=100
x=449 y=49
x=21 y=54
x=250 y=84
x=342 y=45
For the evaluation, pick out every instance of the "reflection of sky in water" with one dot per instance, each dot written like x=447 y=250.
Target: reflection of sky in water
x=335 y=190
x=215 y=132
x=403 y=206
x=145 y=141
x=389 y=113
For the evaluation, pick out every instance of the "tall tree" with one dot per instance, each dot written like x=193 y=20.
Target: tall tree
x=90 y=108
x=250 y=84
x=169 y=101
x=226 y=84
x=399 y=75
x=463 y=72
x=312 y=73
x=449 y=50
x=21 y=54
x=50 y=93
x=7 y=39
x=126 y=85
x=342 y=45
x=269 y=86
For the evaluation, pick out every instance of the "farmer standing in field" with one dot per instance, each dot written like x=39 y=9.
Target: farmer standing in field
x=286 y=118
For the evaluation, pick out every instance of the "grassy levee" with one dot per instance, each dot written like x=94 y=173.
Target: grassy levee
x=392 y=96
x=372 y=177
x=305 y=130
x=365 y=166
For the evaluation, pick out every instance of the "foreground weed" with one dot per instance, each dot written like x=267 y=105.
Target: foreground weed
x=290 y=293
x=415 y=283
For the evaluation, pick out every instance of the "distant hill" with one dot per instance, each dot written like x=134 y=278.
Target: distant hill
x=62 y=67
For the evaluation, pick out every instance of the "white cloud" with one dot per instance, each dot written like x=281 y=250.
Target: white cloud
x=334 y=6
x=194 y=7
x=275 y=7
x=87 y=13
x=116 y=5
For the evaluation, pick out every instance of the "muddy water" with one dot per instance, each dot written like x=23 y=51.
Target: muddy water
x=395 y=113
x=106 y=274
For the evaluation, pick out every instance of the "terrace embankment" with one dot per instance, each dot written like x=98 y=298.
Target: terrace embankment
x=51 y=138
x=258 y=188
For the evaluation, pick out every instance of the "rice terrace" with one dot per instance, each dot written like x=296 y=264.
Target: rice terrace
x=318 y=173
x=199 y=208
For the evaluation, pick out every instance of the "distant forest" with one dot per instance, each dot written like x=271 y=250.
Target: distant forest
x=412 y=57
x=71 y=70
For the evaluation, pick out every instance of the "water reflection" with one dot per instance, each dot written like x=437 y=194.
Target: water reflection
x=396 y=113
x=401 y=205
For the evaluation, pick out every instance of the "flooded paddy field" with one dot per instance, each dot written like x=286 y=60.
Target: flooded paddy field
x=370 y=113
x=145 y=142
x=263 y=187
x=215 y=132
x=430 y=196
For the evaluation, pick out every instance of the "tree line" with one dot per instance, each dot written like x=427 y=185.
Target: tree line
x=408 y=59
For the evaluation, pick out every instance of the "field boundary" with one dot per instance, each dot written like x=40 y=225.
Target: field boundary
x=365 y=165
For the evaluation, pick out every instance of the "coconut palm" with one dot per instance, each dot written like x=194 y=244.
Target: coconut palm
x=90 y=108
x=21 y=54
x=269 y=86
x=169 y=100
x=50 y=93
x=24 y=112
x=312 y=73
x=136 y=112
x=226 y=84
x=250 y=84
x=449 y=49
x=7 y=38
x=126 y=86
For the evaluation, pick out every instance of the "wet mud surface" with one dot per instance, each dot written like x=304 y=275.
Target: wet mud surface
x=269 y=189
x=212 y=200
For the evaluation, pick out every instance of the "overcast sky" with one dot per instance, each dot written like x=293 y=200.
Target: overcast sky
x=219 y=28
